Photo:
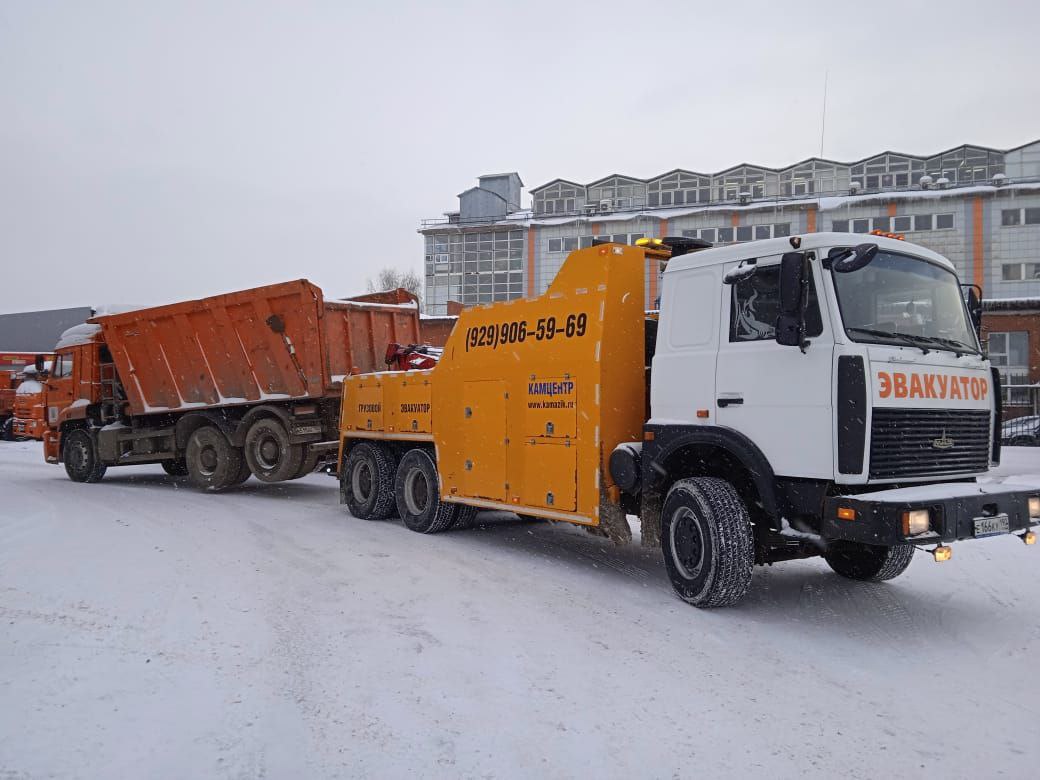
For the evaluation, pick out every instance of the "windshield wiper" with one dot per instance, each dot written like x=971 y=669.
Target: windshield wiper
x=955 y=346
x=907 y=338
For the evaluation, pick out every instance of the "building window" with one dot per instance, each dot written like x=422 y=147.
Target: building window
x=1017 y=272
x=726 y=235
x=923 y=222
x=840 y=226
x=1009 y=352
x=744 y=233
x=1011 y=217
x=861 y=226
x=883 y=223
x=944 y=221
x=902 y=224
x=560 y=198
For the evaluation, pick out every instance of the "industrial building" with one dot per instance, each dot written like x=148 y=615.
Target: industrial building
x=978 y=206
x=29 y=332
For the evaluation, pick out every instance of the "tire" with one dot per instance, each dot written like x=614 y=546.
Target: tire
x=465 y=517
x=868 y=563
x=308 y=464
x=176 y=468
x=417 y=492
x=7 y=430
x=271 y=457
x=244 y=473
x=707 y=541
x=213 y=464
x=79 y=454
x=367 y=481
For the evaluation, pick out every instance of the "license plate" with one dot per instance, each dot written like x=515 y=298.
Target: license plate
x=991 y=526
x=306 y=430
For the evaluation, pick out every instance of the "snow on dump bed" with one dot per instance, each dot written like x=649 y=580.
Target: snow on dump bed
x=106 y=309
x=77 y=335
x=29 y=386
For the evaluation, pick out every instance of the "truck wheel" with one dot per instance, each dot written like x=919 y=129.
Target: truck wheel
x=465 y=517
x=308 y=464
x=244 y=472
x=270 y=455
x=367 y=481
x=868 y=562
x=176 y=468
x=213 y=464
x=7 y=429
x=80 y=457
x=417 y=491
x=707 y=542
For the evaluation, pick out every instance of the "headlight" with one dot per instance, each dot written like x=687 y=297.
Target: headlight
x=919 y=520
x=1034 y=506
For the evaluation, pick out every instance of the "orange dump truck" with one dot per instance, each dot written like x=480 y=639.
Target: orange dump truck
x=30 y=404
x=7 y=390
x=218 y=388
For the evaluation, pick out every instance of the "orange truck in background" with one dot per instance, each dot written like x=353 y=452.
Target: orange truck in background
x=20 y=393
x=30 y=405
x=217 y=389
x=8 y=383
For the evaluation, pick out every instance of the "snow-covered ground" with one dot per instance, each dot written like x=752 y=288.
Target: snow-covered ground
x=148 y=630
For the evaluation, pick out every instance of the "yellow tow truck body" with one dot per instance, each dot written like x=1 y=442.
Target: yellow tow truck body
x=530 y=396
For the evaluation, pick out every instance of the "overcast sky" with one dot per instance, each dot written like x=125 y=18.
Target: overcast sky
x=154 y=151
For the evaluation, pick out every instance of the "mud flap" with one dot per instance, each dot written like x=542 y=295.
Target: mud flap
x=613 y=522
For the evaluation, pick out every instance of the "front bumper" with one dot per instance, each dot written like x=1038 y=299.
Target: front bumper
x=954 y=507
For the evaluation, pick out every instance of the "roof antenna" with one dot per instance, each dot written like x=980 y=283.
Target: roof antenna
x=823 y=118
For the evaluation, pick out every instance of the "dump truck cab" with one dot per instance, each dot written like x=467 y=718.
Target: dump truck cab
x=72 y=396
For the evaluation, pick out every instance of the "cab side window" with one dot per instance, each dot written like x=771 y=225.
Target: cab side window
x=63 y=365
x=755 y=305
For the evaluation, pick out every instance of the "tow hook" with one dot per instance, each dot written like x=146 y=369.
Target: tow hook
x=1028 y=537
x=942 y=553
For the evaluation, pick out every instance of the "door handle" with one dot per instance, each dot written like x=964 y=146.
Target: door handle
x=731 y=401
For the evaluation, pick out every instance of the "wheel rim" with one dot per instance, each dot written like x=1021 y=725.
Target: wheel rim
x=416 y=492
x=78 y=455
x=208 y=460
x=361 y=481
x=268 y=451
x=687 y=543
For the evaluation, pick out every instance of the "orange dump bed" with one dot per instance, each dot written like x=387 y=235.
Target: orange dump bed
x=270 y=343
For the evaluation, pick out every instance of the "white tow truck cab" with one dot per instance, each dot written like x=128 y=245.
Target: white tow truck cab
x=831 y=388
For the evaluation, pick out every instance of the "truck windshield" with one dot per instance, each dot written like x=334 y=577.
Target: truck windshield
x=899 y=299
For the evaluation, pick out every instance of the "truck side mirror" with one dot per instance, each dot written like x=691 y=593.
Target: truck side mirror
x=974 y=301
x=847 y=259
x=790 y=322
x=40 y=363
x=745 y=270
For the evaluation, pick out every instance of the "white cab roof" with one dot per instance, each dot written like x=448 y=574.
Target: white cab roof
x=777 y=246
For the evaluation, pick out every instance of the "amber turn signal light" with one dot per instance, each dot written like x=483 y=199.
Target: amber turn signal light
x=1029 y=537
x=942 y=553
x=846 y=513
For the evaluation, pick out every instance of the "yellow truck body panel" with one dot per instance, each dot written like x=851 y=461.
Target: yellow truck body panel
x=530 y=396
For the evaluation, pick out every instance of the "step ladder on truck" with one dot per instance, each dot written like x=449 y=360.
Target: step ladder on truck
x=816 y=395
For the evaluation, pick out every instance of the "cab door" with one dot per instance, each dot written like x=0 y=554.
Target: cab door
x=61 y=386
x=777 y=396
